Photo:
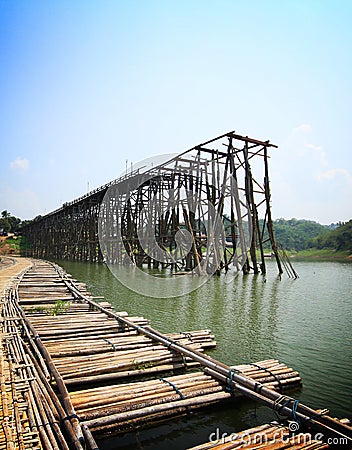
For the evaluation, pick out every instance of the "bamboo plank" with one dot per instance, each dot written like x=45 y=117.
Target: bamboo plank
x=101 y=358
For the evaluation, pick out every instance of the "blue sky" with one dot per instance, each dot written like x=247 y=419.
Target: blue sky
x=87 y=85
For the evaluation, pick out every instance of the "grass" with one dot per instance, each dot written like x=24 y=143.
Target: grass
x=17 y=244
x=60 y=307
x=14 y=243
x=326 y=254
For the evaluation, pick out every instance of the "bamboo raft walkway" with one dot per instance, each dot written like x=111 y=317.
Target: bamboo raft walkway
x=72 y=368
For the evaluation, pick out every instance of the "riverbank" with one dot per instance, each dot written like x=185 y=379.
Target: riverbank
x=322 y=255
x=11 y=246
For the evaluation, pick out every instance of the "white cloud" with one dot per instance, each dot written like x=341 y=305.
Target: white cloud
x=319 y=153
x=19 y=164
x=316 y=148
x=336 y=173
x=307 y=182
x=314 y=155
x=311 y=158
x=303 y=128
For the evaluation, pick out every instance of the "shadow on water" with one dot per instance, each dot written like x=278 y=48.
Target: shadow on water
x=305 y=323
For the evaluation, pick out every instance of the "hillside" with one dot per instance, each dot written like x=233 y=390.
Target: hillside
x=339 y=239
x=310 y=238
x=297 y=234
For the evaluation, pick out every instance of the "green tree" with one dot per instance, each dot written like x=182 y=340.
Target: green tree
x=9 y=223
x=4 y=221
x=296 y=234
x=338 y=239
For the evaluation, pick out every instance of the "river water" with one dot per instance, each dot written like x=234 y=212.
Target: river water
x=305 y=323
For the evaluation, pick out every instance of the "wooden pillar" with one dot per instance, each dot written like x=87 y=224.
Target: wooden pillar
x=268 y=209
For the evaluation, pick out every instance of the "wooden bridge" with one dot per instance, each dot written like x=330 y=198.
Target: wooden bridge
x=72 y=369
x=205 y=210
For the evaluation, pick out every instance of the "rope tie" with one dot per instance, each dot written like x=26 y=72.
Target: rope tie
x=170 y=343
x=112 y=344
x=121 y=322
x=230 y=387
x=278 y=404
x=272 y=374
x=294 y=410
x=258 y=387
x=283 y=401
x=188 y=335
x=174 y=387
x=72 y=416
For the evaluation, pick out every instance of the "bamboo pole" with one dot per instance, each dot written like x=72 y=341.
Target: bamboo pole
x=42 y=417
x=256 y=381
x=244 y=384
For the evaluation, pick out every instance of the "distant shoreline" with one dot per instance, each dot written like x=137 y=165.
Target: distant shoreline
x=321 y=255
x=11 y=246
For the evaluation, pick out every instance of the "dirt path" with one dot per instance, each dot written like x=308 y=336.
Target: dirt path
x=9 y=268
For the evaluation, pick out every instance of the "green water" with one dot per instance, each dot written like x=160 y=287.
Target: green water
x=305 y=323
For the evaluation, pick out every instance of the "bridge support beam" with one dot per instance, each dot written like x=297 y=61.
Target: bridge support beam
x=206 y=210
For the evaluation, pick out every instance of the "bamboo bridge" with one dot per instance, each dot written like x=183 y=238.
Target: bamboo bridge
x=204 y=210
x=73 y=370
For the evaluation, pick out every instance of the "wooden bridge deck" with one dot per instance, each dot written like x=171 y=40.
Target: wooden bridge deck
x=85 y=369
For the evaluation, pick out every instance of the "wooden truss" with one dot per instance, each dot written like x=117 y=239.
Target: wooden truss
x=204 y=210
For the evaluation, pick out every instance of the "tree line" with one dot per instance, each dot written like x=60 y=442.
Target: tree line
x=301 y=234
x=338 y=239
x=10 y=223
x=293 y=234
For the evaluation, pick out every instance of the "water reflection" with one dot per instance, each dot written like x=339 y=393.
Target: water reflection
x=243 y=314
x=305 y=323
